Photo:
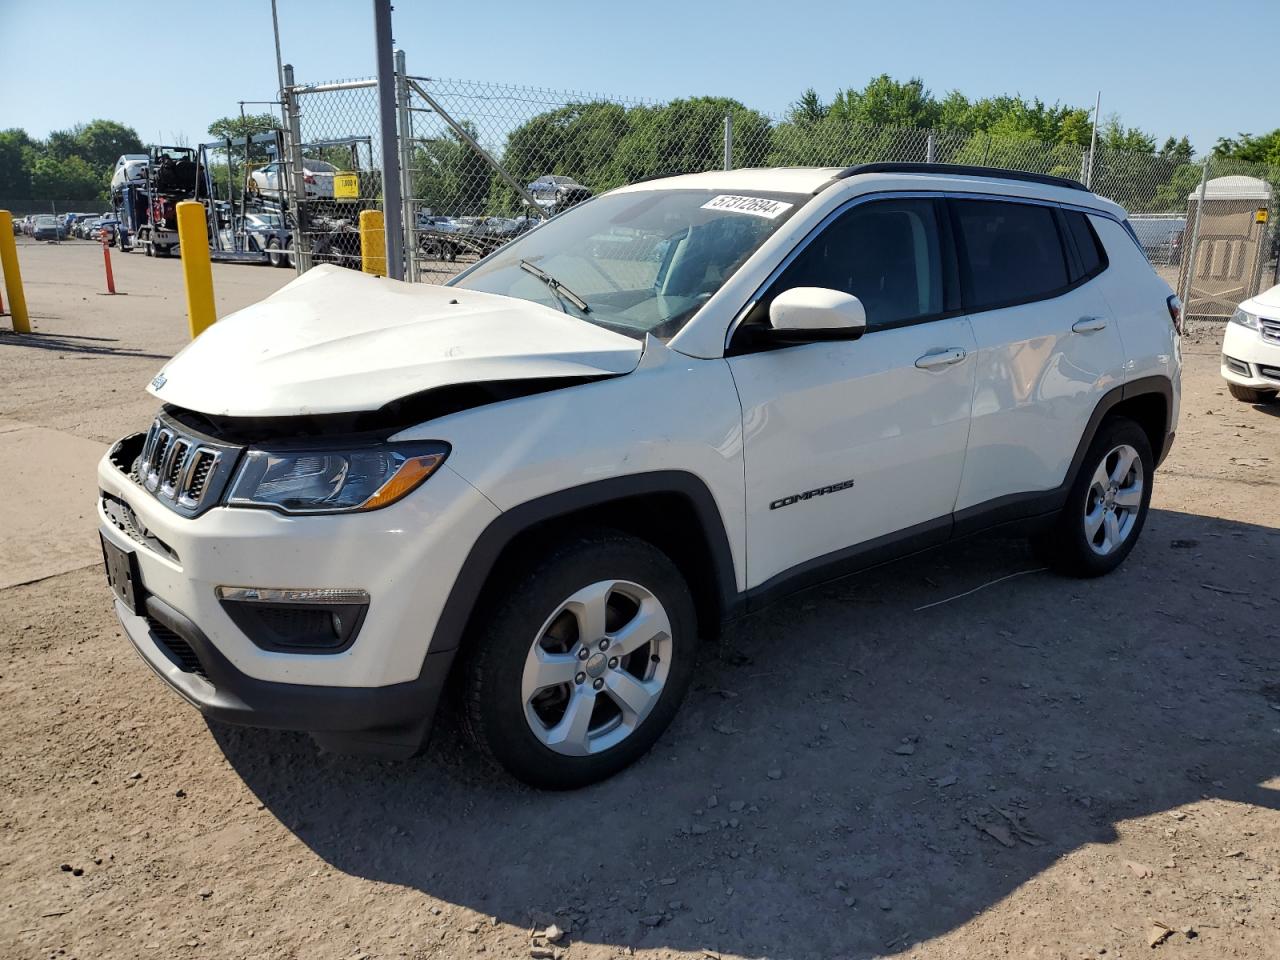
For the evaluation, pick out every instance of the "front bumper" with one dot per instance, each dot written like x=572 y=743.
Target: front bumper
x=391 y=721
x=377 y=694
x=1249 y=360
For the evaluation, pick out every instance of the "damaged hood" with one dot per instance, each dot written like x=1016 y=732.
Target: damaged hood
x=338 y=341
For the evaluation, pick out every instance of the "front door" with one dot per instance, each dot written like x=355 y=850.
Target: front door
x=852 y=444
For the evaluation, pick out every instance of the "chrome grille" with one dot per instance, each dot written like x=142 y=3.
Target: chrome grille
x=184 y=471
x=1270 y=329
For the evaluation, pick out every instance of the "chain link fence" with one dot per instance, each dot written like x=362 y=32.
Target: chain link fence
x=483 y=162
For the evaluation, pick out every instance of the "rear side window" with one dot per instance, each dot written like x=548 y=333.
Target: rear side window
x=1092 y=258
x=1011 y=252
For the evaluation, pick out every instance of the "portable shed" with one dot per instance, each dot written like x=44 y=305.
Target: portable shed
x=1232 y=246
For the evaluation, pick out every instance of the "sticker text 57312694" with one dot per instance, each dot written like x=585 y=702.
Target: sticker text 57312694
x=756 y=206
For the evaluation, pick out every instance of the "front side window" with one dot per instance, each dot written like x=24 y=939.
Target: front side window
x=887 y=253
x=1012 y=252
x=638 y=262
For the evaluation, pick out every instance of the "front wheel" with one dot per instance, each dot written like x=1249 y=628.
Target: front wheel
x=1106 y=506
x=582 y=662
x=1249 y=395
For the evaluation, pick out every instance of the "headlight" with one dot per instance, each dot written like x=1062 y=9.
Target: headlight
x=334 y=481
x=1245 y=319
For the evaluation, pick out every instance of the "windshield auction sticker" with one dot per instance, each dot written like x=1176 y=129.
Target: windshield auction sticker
x=756 y=206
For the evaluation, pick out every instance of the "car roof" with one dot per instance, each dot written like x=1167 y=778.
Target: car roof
x=885 y=176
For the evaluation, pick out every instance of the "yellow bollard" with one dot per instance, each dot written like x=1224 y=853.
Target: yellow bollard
x=193 y=241
x=12 y=275
x=373 y=243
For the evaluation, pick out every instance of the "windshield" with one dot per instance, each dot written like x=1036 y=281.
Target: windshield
x=642 y=262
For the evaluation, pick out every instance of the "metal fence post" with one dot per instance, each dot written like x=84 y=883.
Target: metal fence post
x=1093 y=140
x=405 y=140
x=1185 y=294
x=728 y=141
x=391 y=201
x=930 y=149
x=301 y=247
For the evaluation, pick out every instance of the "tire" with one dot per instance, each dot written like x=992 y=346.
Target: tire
x=290 y=258
x=274 y=256
x=529 y=676
x=160 y=250
x=1250 y=395
x=1107 y=505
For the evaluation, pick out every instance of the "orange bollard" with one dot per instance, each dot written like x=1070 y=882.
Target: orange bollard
x=106 y=259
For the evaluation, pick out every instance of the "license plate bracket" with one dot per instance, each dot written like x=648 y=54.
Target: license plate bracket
x=123 y=575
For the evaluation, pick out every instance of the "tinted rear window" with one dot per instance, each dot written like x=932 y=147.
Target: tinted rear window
x=1089 y=249
x=1012 y=252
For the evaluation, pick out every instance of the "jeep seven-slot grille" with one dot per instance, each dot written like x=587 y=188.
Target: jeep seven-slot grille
x=185 y=471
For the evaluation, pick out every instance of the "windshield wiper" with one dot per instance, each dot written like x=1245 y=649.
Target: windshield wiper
x=558 y=288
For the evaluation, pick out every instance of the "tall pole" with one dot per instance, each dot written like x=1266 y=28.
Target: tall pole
x=728 y=141
x=1093 y=141
x=406 y=168
x=392 y=210
x=275 y=29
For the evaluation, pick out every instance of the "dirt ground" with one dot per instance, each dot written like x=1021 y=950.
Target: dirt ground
x=1044 y=769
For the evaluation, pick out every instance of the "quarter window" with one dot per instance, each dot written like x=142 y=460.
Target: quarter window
x=1012 y=252
x=887 y=253
x=1089 y=249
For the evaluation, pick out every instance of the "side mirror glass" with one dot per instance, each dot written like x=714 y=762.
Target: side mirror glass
x=817 y=313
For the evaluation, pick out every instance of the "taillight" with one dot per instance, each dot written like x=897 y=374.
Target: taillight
x=1175 y=312
x=308 y=178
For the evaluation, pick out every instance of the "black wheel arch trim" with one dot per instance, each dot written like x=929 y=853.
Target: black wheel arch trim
x=503 y=530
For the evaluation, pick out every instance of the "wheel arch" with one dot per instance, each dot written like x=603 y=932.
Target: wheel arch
x=673 y=510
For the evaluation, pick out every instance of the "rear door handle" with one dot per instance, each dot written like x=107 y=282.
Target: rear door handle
x=942 y=358
x=1089 y=324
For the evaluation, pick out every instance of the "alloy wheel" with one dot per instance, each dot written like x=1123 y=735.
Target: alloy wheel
x=1114 y=500
x=596 y=668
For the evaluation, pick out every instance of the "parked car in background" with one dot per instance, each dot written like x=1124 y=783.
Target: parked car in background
x=1251 y=349
x=129 y=168
x=269 y=232
x=317 y=178
x=1160 y=237
x=17 y=227
x=554 y=192
x=48 y=227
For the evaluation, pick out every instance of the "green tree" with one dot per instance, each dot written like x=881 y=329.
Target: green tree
x=101 y=142
x=1260 y=149
x=16 y=150
x=53 y=179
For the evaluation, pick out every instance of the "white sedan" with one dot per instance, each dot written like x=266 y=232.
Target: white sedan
x=317 y=178
x=1251 y=349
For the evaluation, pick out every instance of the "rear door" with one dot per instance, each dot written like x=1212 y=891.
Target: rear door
x=1048 y=346
x=852 y=442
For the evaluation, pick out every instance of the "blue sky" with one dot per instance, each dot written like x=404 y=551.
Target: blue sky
x=1157 y=63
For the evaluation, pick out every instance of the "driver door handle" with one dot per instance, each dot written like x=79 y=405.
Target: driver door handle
x=941 y=358
x=1089 y=325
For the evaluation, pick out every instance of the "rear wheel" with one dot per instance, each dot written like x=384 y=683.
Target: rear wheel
x=1106 y=506
x=1250 y=395
x=274 y=256
x=582 y=662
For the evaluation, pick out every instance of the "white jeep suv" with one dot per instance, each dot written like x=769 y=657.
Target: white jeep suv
x=657 y=412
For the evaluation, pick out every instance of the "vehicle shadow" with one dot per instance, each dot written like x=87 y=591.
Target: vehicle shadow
x=70 y=343
x=881 y=773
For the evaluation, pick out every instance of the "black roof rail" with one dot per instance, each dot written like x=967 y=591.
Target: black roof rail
x=954 y=170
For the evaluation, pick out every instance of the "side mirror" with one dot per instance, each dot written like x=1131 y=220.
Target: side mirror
x=817 y=313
